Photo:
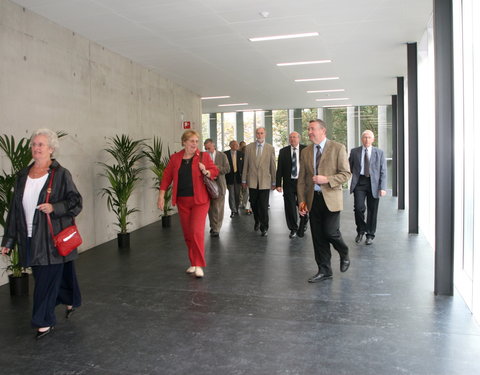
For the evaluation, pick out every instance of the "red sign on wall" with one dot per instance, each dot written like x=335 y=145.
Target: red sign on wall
x=187 y=125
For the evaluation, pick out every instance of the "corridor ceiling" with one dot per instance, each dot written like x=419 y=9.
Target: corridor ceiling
x=204 y=45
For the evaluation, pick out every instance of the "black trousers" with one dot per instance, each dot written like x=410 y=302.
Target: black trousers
x=234 y=196
x=259 y=202
x=55 y=284
x=362 y=192
x=290 y=201
x=325 y=226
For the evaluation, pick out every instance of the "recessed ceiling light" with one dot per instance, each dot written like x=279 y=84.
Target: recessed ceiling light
x=320 y=91
x=232 y=105
x=337 y=105
x=331 y=99
x=316 y=79
x=214 y=97
x=305 y=62
x=277 y=37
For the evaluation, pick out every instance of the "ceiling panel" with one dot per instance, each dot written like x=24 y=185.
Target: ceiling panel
x=203 y=44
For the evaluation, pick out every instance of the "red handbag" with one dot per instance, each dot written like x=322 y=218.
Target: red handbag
x=69 y=238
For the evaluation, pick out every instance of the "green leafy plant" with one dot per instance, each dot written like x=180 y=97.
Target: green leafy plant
x=123 y=176
x=19 y=155
x=159 y=161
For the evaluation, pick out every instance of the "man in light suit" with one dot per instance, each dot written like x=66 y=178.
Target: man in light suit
x=369 y=182
x=323 y=170
x=287 y=172
x=215 y=213
x=259 y=175
x=234 y=177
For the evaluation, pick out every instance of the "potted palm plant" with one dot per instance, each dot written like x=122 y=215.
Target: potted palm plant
x=19 y=155
x=159 y=161
x=123 y=177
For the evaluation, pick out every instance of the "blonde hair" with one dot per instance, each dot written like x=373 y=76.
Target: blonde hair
x=52 y=138
x=187 y=134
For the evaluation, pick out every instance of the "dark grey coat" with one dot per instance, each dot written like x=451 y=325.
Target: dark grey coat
x=67 y=203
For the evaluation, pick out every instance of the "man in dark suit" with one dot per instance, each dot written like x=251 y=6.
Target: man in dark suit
x=323 y=171
x=234 y=177
x=288 y=168
x=369 y=182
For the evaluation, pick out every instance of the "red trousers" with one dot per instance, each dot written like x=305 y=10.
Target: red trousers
x=192 y=218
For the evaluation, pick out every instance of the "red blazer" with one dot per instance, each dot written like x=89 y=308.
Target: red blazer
x=170 y=174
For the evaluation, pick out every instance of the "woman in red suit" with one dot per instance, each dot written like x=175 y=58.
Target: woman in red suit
x=190 y=195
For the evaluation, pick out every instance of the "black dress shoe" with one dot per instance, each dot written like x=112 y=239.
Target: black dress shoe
x=215 y=234
x=359 y=237
x=256 y=227
x=344 y=264
x=319 y=277
x=40 y=335
x=369 y=241
x=293 y=234
x=233 y=214
x=264 y=233
x=69 y=312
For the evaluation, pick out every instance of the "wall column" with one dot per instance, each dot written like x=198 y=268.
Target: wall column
x=240 y=128
x=394 y=146
x=400 y=143
x=412 y=138
x=269 y=126
x=444 y=135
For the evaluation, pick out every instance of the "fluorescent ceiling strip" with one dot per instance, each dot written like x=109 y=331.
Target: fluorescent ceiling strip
x=277 y=37
x=316 y=79
x=331 y=99
x=305 y=62
x=215 y=97
x=232 y=105
x=320 y=91
x=337 y=105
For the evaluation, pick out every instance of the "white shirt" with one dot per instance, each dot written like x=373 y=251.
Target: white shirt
x=30 y=199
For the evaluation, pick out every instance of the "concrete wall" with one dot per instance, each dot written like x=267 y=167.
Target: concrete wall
x=51 y=77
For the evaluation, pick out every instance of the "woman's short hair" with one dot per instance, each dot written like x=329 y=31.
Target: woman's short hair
x=52 y=138
x=187 y=134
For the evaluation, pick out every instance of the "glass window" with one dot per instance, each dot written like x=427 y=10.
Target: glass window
x=248 y=118
x=308 y=114
x=205 y=126
x=280 y=128
x=229 y=129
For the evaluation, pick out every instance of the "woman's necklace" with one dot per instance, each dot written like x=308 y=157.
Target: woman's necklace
x=36 y=172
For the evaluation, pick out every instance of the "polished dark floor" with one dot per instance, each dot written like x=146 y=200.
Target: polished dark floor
x=254 y=312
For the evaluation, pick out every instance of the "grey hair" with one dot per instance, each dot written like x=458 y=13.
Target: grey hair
x=320 y=122
x=51 y=137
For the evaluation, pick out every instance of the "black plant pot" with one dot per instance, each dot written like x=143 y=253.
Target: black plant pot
x=166 y=221
x=18 y=285
x=123 y=240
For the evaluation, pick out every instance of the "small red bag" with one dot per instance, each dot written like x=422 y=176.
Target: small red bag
x=69 y=238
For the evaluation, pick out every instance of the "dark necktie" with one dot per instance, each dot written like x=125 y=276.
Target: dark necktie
x=317 y=159
x=294 y=163
x=366 y=164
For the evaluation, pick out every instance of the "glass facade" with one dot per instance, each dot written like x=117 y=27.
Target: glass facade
x=344 y=125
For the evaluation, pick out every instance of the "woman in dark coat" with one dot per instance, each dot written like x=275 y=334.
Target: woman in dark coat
x=55 y=277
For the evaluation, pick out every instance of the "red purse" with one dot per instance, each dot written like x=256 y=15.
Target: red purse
x=69 y=238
